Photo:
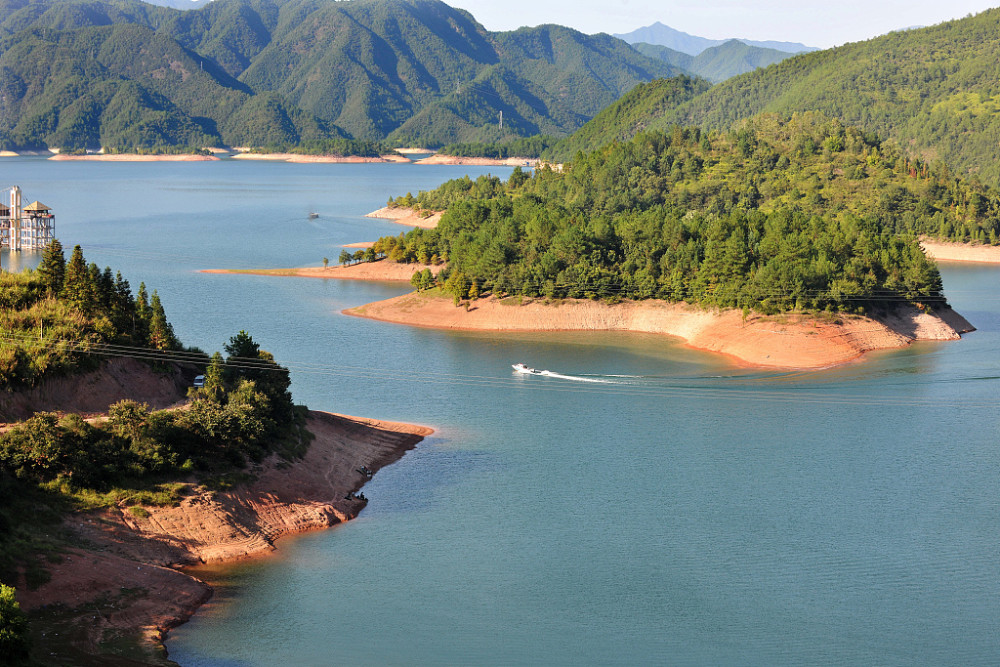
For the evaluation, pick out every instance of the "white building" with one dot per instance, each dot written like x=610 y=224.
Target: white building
x=30 y=227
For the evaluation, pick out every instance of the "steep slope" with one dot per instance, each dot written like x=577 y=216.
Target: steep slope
x=126 y=87
x=934 y=90
x=370 y=66
x=639 y=110
x=417 y=70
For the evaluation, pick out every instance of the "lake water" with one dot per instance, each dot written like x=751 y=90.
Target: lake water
x=659 y=506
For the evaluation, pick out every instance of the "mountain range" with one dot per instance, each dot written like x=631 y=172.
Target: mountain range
x=933 y=91
x=125 y=74
x=663 y=35
x=716 y=63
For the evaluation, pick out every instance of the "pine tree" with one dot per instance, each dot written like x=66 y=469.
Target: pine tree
x=53 y=267
x=161 y=334
x=77 y=287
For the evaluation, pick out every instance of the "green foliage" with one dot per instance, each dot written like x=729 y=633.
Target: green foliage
x=44 y=331
x=528 y=147
x=126 y=76
x=14 y=639
x=243 y=413
x=52 y=268
x=932 y=90
x=634 y=113
x=778 y=215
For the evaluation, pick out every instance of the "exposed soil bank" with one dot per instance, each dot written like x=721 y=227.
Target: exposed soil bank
x=787 y=341
x=326 y=159
x=404 y=215
x=122 y=583
x=383 y=269
x=961 y=252
x=128 y=157
x=93 y=392
x=437 y=158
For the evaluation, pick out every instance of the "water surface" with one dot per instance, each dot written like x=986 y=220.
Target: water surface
x=655 y=506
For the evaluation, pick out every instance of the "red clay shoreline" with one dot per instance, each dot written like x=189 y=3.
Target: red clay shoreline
x=788 y=341
x=143 y=551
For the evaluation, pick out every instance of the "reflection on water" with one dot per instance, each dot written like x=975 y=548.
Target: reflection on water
x=678 y=511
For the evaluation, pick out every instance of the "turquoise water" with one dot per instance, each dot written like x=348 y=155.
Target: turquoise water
x=657 y=506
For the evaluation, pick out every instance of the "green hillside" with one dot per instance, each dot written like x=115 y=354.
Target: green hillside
x=775 y=215
x=935 y=90
x=267 y=72
x=637 y=111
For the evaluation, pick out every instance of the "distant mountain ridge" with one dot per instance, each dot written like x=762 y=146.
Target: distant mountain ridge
x=126 y=74
x=717 y=63
x=933 y=91
x=664 y=35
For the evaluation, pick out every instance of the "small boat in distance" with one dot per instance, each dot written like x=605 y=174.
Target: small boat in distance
x=313 y=215
x=527 y=370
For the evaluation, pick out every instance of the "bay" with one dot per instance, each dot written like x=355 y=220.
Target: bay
x=657 y=505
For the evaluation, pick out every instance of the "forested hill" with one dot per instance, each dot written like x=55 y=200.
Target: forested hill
x=935 y=90
x=776 y=215
x=123 y=74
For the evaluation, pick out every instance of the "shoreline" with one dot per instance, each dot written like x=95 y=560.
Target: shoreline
x=133 y=157
x=405 y=215
x=944 y=251
x=381 y=270
x=454 y=160
x=788 y=341
x=141 y=552
x=301 y=158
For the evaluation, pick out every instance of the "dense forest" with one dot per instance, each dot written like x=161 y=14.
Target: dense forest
x=53 y=319
x=934 y=90
x=126 y=75
x=68 y=316
x=777 y=214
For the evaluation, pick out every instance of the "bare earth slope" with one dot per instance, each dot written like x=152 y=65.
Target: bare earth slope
x=961 y=252
x=122 y=582
x=93 y=392
x=788 y=341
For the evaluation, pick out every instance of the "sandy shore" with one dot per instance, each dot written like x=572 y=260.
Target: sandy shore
x=124 y=583
x=404 y=215
x=324 y=159
x=789 y=341
x=361 y=246
x=437 y=158
x=380 y=270
x=961 y=252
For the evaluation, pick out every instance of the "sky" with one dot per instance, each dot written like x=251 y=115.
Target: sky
x=814 y=23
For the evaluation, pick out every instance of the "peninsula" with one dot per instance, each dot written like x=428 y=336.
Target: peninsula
x=124 y=455
x=782 y=341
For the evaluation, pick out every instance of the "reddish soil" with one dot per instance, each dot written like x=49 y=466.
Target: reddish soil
x=121 y=582
x=788 y=341
x=92 y=393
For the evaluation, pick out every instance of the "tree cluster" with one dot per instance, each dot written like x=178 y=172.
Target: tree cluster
x=51 y=317
x=778 y=214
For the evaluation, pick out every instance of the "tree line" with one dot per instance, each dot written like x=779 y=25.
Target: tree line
x=778 y=214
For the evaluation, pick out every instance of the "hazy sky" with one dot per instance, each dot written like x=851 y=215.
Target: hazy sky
x=823 y=24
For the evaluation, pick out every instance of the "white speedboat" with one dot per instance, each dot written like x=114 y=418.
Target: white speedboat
x=521 y=368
